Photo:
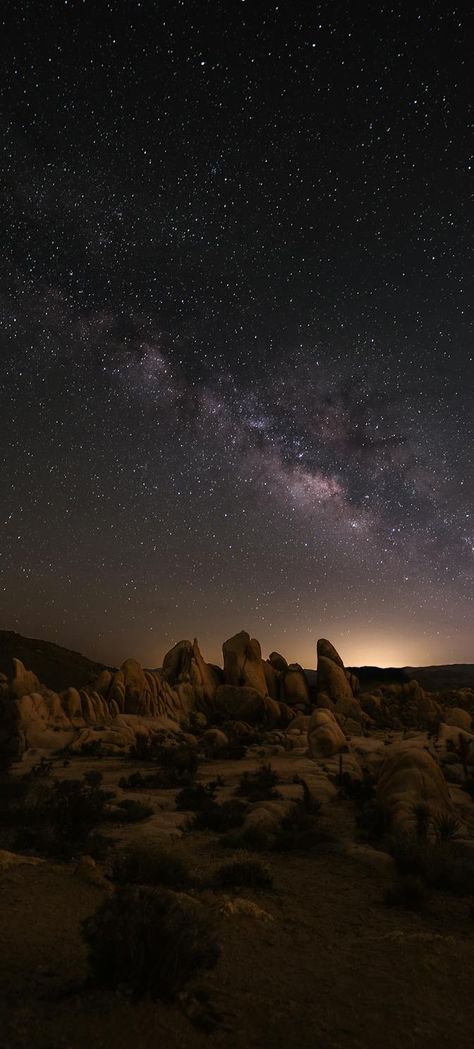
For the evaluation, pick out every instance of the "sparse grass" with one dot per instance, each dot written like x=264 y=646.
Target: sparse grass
x=148 y=863
x=152 y=940
x=244 y=871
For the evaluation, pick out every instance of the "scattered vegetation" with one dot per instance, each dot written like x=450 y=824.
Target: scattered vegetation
x=220 y=817
x=177 y=766
x=244 y=870
x=197 y=796
x=152 y=940
x=259 y=785
x=133 y=811
x=148 y=863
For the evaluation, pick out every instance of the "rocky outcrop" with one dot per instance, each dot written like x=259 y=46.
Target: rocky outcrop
x=295 y=687
x=410 y=777
x=332 y=679
x=325 y=736
x=243 y=663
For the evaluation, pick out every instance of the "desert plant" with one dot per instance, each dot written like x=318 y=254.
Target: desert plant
x=259 y=785
x=300 y=830
x=132 y=811
x=153 y=940
x=148 y=863
x=446 y=827
x=244 y=870
x=220 y=817
x=196 y=797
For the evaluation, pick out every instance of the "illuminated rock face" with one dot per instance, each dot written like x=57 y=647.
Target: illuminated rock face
x=410 y=777
x=325 y=736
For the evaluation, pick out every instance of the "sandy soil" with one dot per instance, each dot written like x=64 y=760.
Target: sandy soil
x=334 y=968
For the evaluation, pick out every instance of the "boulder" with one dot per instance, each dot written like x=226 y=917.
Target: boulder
x=295 y=687
x=273 y=680
x=332 y=680
x=325 y=737
x=326 y=650
x=177 y=663
x=24 y=682
x=458 y=717
x=243 y=664
x=409 y=777
x=278 y=662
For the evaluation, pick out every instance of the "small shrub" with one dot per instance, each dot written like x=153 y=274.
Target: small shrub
x=196 y=797
x=250 y=839
x=246 y=871
x=359 y=790
x=153 y=940
x=259 y=785
x=408 y=891
x=147 y=863
x=301 y=830
x=132 y=811
x=220 y=817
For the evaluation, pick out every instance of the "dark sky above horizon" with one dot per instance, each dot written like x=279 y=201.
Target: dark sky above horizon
x=236 y=339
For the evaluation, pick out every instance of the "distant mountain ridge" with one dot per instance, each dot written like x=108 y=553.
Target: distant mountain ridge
x=59 y=667
x=55 y=666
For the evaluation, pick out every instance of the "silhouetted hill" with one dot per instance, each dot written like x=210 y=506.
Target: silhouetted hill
x=56 y=667
x=453 y=675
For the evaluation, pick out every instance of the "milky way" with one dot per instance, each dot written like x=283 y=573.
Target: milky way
x=237 y=329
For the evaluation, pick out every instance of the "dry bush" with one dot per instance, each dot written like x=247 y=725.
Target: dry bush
x=152 y=940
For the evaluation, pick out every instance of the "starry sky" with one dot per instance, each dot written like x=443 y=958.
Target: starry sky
x=236 y=327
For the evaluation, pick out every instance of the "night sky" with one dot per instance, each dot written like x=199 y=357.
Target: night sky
x=236 y=349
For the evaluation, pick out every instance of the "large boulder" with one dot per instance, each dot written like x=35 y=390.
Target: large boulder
x=177 y=663
x=458 y=717
x=245 y=704
x=410 y=777
x=278 y=662
x=243 y=663
x=332 y=679
x=325 y=736
x=295 y=687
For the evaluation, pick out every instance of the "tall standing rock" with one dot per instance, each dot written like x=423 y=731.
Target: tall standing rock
x=243 y=663
x=332 y=679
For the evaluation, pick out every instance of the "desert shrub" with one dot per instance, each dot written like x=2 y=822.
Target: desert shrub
x=42 y=770
x=437 y=863
x=153 y=940
x=132 y=811
x=56 y=817
x=253 y=838
x=196 y=797
x=300 y=830
x=373 y=821
x=148 y=863
x=259 y=785
x=408 y=891
x=244 y=870
x=182 y=758
x=220 y=817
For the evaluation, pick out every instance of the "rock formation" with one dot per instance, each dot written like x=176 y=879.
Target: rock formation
x=410 y=777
